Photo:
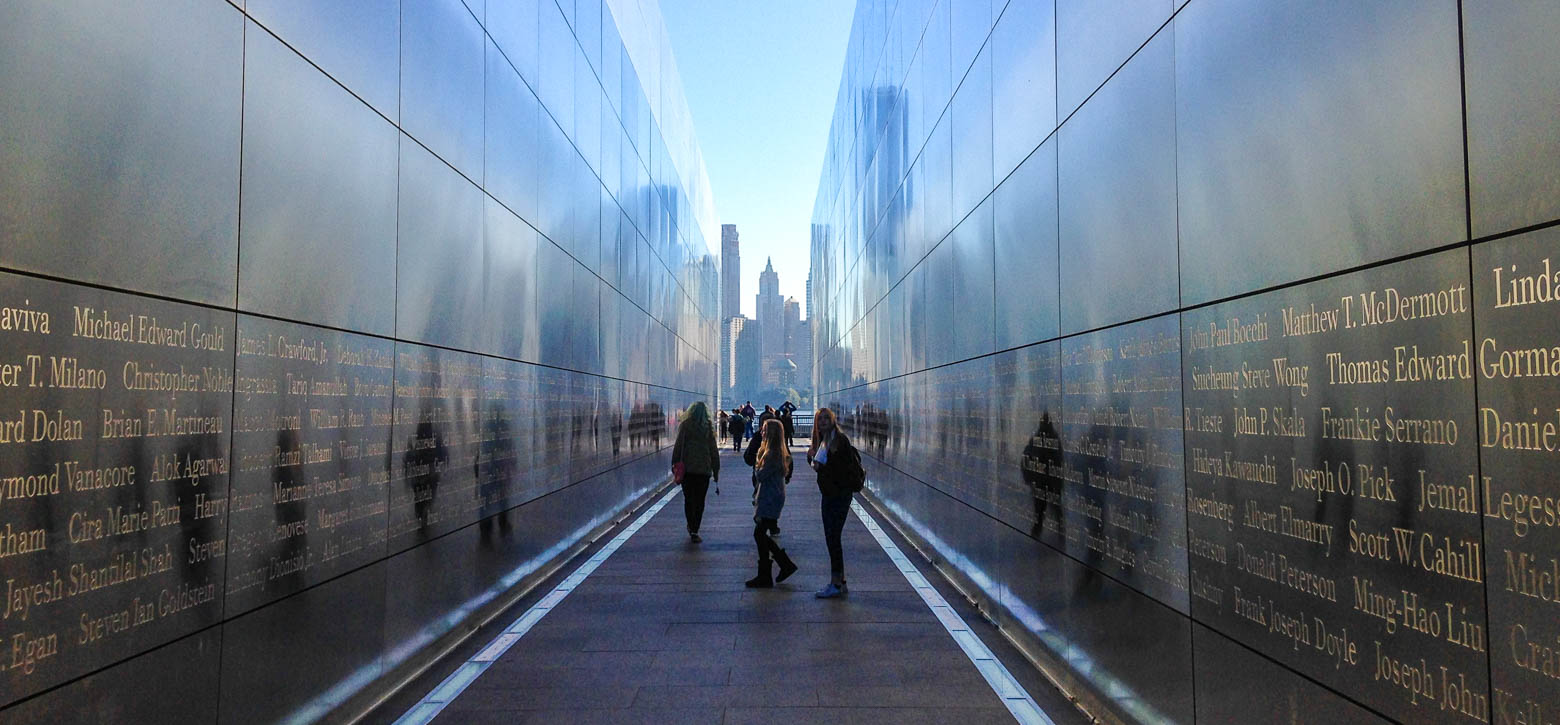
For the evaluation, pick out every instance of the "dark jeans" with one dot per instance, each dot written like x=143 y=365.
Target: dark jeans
x=835 y=510
x=766 y=545
x=736 y=442
x=694 y=486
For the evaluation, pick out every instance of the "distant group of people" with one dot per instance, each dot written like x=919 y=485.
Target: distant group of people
x=696 y=461
x=741 y=422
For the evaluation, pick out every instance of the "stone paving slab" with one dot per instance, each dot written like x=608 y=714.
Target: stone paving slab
x=664 y=632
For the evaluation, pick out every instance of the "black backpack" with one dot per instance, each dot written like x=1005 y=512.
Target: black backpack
x=855 y=474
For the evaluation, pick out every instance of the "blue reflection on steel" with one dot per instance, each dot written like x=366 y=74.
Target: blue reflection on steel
x=441 y=696
x=1012 y=694
x=349 y=686
x=1109 y=686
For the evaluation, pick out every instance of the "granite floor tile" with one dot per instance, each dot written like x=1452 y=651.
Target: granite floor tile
x=535 y=676
x=579 y=716
x=543 y=698
x=773 y=694
x=864 y=716
x=920 y=695
x=664 y=632
x=820 y=675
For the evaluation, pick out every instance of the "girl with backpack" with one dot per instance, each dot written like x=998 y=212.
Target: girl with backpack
x=772 y=471
x=839 y=477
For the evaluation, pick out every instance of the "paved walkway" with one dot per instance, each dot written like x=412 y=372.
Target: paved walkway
x=664 y=632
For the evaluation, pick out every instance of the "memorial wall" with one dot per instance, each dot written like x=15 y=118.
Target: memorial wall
x=311 y=323
x=1211 y=345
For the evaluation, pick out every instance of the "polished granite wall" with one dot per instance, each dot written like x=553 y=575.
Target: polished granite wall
x=1211 y=344
x=322 y=326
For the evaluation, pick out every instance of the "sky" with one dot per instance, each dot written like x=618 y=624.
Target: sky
x=761 y=78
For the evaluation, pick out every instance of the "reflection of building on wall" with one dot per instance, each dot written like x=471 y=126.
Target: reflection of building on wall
x=1040 y=255
x=807 y=298
x=471 y=286
x=801 y=353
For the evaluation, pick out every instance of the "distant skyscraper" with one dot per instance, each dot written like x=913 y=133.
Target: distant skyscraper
x=771 y=323
x=730 y=272
x=731 y=317
x=769 y=284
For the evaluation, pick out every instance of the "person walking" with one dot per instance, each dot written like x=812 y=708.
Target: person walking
x=786 y=409
x=751 y=454
x=736 y=428
x=695 y=461
x=772 y=472
x=832 y=456
x=747 y=414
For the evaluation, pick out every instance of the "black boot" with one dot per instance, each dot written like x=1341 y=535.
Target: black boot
x=762 y=581
x=787 y=567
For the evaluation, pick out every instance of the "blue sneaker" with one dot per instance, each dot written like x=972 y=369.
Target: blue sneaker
x=831 y=591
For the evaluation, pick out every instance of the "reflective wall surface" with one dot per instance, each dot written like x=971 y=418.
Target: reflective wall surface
x=314 y=324
x=1211 y=344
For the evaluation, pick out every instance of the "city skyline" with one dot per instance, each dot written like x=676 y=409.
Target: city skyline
x=763 y=142
x=771 y=350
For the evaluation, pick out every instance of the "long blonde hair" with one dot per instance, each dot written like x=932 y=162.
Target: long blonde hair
x=774 y=445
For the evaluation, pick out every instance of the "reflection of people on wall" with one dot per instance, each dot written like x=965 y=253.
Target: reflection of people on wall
x=1041 y=464
x=577 y=425
x=658 y=424
x=499 y=480
x=615 y=426
x=595 y=432
x=426 y=456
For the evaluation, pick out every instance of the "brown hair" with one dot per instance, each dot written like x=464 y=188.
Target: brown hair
x=817 y=436
x=774 y=445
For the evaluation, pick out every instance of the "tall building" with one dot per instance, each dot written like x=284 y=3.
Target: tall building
x=769 y=306
x=730 y=271
x=730 y=303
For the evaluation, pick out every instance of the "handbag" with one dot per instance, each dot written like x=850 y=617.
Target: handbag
x=677 y=472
